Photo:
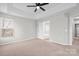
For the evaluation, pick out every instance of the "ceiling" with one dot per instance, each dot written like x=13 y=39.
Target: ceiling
x=21 y=9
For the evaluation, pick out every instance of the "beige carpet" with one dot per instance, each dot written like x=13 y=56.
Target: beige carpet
x=38 y=47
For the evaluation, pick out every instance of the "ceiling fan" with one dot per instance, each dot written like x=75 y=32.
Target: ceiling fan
x=38 y=6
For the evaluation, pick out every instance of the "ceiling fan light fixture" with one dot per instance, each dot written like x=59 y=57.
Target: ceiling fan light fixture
x=38 y=7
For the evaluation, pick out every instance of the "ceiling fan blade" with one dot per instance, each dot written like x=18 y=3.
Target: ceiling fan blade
x=43 y=4
x=31 y=6
x=42 y=8
x=35 y=10
x=37 y=4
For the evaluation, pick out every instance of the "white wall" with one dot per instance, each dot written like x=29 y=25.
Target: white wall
x=24 y=29
x=59 y=28
x=3 y=7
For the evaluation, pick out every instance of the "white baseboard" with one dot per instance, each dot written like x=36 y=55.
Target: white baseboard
x=20 y=40
x=59 y=42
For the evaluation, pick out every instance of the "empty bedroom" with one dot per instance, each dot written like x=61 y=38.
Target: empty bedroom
x=39 y=29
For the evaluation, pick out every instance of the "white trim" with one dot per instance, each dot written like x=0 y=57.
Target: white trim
x=17 y=41
x=59 y=43
x=71 y=25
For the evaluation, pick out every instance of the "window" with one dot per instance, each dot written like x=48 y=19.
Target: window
x=46 y=27
x=43 y=29
x=6 y=22
x=6 y=27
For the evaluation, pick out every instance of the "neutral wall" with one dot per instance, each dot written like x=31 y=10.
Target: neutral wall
x=59 y=28
x=24 y=29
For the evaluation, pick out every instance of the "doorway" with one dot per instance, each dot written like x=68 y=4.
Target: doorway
x=43 y=29
x=76 y=29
